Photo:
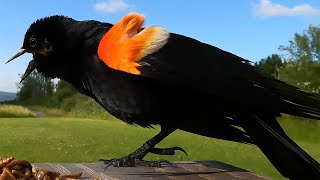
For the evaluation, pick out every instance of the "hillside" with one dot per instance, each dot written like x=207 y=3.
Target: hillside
x=5 y=96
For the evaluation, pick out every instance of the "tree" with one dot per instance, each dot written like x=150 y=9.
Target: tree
x=38 y=90
x=304 y=47
x=63 y=91
x=302 y=66
x=35 y=89
x=270 y=65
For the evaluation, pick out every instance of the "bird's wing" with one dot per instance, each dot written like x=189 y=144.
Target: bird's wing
x=171 y=58
x=126 y=43
x=155 y=53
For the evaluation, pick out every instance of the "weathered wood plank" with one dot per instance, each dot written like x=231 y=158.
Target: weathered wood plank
x=185 y=170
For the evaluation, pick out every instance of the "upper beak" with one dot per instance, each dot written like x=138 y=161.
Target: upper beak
x=31 y=66
x=19 y=53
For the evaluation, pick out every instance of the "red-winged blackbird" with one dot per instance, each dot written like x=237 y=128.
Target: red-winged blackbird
x=148 y=76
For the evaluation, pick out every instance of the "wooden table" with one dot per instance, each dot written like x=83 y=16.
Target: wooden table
x=189 y=170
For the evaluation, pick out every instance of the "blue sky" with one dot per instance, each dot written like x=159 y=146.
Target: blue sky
x=252 y=29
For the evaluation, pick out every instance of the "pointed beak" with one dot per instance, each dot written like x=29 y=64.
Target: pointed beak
x=19 y=53
x=32 y=65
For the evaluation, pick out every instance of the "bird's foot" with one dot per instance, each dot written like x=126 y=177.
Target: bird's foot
x=136 y=158
x=129 y=161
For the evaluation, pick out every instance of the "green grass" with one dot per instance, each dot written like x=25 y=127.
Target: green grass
x=87 y=140
x=49 y=112
x=78 y=106
x=87 y=108
x=14 y=111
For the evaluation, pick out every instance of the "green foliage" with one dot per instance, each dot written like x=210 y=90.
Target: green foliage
x=270 y=65
x=69 y=103
x=84 y=107
x=63 y=90
x=62 y=99
x=14 y=111
x=305 y=46
x=302 y=74
x=302 y=67
x=35 y=89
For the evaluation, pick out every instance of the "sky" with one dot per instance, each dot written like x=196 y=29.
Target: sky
x=252 y=29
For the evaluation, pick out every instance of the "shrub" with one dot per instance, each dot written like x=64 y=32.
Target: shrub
x=7 y=111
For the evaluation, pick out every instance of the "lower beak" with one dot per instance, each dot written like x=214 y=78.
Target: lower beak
x=32 y=65
x=18 y=54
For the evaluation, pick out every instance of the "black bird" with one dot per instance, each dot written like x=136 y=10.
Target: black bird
x=148 y=76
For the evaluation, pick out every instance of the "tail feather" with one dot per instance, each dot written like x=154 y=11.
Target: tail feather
x=296 y=101
x=286 y=156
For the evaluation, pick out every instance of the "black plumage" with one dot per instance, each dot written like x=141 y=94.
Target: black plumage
x=187 y=85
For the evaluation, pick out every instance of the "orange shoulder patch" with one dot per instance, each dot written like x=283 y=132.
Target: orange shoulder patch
x=126 y=43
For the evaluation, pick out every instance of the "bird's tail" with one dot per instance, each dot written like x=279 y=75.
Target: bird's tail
x=295 y=101
x=286 y=156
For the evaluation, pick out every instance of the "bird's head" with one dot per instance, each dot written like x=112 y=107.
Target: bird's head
x=49 y=40
x=45 y=36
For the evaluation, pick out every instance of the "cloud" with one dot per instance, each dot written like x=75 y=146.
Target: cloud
x=266 y=8
x=112 y=6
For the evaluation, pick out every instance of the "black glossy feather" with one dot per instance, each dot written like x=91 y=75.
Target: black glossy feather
x=206 y=68
x=283 y=153
x=142 y=101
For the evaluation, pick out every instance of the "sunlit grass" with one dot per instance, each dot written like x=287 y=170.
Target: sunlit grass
x=14 y=111
x=49 y=112
x=87 y=140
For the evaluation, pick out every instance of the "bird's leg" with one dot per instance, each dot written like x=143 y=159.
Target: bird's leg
x=136 y=157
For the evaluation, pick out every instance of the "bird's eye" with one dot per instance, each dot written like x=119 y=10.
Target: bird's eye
x=33 y=42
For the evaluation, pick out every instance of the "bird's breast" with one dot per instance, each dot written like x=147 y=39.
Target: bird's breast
x=140 y=100
x=128 y=97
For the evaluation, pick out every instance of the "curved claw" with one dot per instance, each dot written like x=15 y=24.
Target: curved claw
x=167 y=151
x=177 y=148
x=106 y=162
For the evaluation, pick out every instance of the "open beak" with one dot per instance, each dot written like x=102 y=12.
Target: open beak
x=32 y=65
x=18 y=54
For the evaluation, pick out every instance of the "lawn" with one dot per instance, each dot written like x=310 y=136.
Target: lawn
x=87 y=140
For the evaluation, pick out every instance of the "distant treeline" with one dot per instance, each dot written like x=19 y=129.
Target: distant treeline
x=300 y=63
x=38 y=90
